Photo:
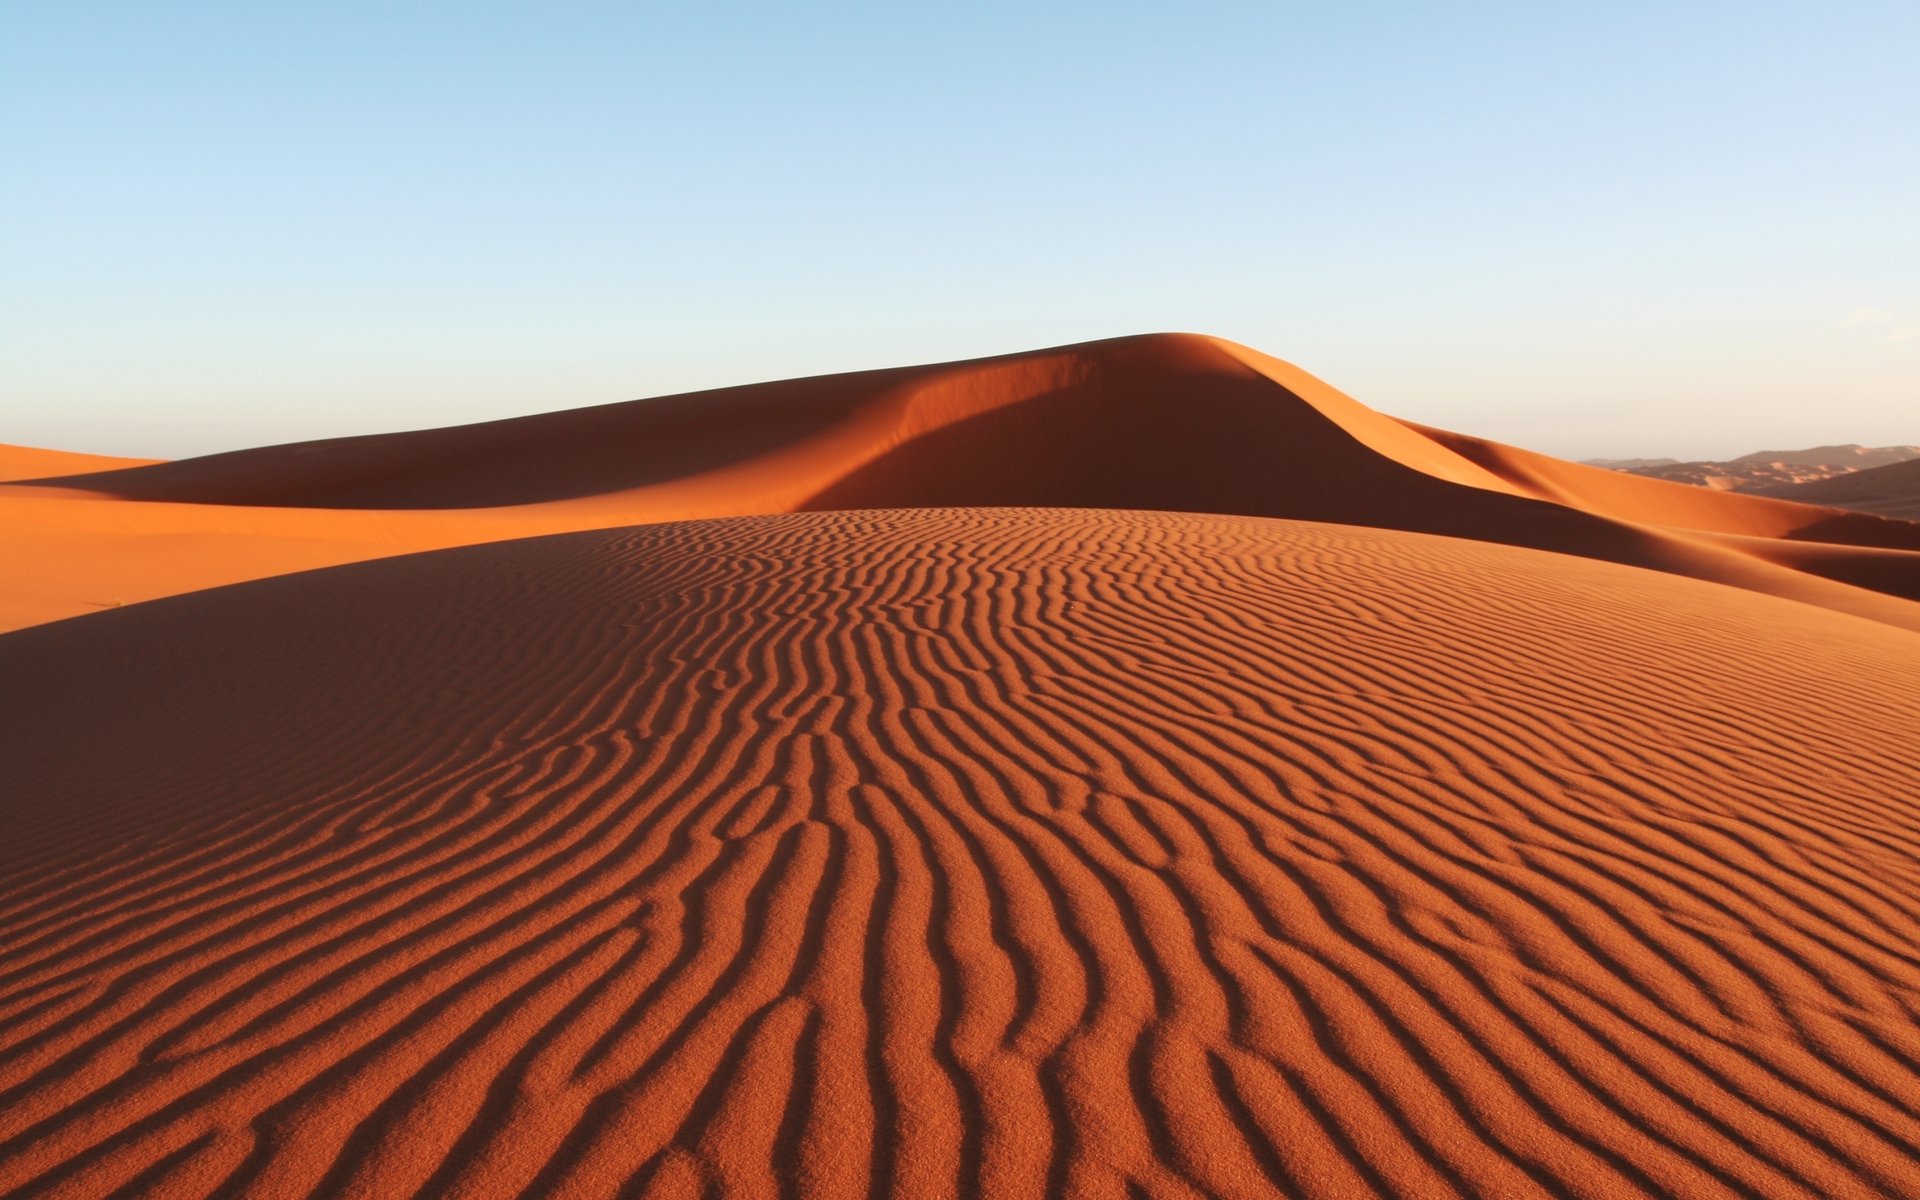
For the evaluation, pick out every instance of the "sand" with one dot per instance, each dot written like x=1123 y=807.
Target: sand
x=1892 y=490
x=19 y=463
x=1177 y=422
x=965 y=850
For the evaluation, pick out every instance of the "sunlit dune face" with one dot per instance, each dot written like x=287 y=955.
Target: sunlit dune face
x=1172 y=422
x=987 y=852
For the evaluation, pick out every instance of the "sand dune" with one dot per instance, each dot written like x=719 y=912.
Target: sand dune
x=29 y=462
x=1891 y=491
x=962 y=852
x=1080 y=772
x=1764 y=471
x=1169 y=422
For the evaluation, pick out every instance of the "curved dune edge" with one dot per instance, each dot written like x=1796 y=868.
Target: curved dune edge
x=25 y=463
x=1172 y=421
x=986 y=852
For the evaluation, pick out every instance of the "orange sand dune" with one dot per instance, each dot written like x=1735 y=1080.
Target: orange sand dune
x=1892 y=490
x=1172 y=422
x=28 y=462
x=1648 y=501
x=986 y=852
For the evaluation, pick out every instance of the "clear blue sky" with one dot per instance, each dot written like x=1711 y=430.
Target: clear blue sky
x=1674 y=228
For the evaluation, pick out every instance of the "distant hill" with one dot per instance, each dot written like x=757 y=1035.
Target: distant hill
x=1631 y=464
x=1765 y=469
x=1891 y=491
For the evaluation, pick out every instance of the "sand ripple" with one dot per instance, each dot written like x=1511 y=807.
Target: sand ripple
x=980 y=852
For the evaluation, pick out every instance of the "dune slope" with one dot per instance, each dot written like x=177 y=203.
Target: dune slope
x=962 y=852
x=1891 y=491
x=18 y=463
x=1171 y=422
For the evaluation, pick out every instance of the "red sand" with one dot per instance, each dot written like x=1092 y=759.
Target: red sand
x=971 y=851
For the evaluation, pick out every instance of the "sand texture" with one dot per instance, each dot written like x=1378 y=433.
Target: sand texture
x=1009 y=846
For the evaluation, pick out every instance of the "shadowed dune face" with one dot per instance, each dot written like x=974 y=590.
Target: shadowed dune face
x=525 y=460
x=1167 y=422
x=1892 y=491
x=1662 y=502
x=924 y=853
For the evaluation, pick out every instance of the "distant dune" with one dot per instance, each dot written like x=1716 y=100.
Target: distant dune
x=1889 y=491
x=1765 y=471
x=1127 y=770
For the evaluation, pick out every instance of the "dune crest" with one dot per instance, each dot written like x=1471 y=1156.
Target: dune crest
x=1172 y=422
x=20 y=464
